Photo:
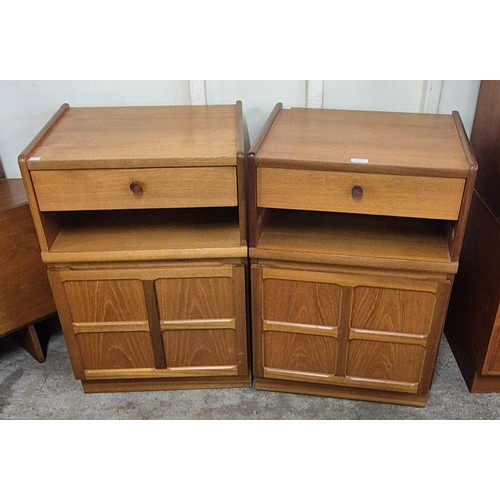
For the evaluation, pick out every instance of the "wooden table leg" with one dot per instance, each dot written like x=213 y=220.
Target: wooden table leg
x=28 y=339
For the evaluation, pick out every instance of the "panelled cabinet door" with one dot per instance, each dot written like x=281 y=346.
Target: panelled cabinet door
x=158 y=322
x=347 y=329
x=388 y=335
x=110 y=322
x=202 y=318
x=300 y=321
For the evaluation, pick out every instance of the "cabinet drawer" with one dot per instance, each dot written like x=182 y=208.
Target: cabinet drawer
x=376 y=194
x=135 y=188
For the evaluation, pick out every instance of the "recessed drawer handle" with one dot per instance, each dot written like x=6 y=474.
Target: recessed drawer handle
x=136 y=187
x=357 y=192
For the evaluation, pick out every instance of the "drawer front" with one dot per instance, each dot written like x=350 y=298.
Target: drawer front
x=376 y=194
x=135 y=188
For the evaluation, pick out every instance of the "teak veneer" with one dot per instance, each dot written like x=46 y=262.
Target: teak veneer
x=140 y=214
x=25 y=296
x=356 y=222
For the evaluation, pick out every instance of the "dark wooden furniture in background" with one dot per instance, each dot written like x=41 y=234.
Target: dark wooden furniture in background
x=140 y=214
x=473 y=323
x=356 y=226
x=25 y=295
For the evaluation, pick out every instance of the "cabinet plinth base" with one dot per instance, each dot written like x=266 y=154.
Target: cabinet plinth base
x=136 y=385
x=485 y=384
x=341 y=392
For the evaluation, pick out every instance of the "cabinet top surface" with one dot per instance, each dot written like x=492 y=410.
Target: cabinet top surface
x=382 y=139
x=161 y=135
x=12 y=194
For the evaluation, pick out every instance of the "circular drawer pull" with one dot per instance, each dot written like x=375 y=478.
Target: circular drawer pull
x=357 y=192
x=136 y=187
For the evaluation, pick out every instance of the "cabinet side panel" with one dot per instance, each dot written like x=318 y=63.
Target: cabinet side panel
x=66 y=320
x=25 y=294
x=476 y=292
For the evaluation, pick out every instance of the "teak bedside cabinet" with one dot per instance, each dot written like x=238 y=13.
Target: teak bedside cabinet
x=140 y=213
x=356 y=223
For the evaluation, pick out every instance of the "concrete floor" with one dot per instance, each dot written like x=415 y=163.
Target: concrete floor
x=33 y=391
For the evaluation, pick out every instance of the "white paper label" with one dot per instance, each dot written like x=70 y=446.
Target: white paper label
x=35 y=158
x=359 y=160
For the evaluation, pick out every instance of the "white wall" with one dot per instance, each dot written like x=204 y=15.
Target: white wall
x=25 y=106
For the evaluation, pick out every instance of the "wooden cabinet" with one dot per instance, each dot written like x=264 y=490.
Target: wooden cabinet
x=359 y=330
x=473 y=323
x=355 y=231
x=25 y=296
x=144 y=231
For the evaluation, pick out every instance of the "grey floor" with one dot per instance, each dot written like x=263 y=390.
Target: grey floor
x=33 y=391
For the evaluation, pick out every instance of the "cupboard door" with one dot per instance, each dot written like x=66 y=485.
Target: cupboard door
x=202 y=319
x=388 y=334
x=300 y=313
x=110 y=322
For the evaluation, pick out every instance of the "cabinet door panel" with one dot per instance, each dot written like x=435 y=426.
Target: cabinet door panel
x=106 y=301
x=202 y=318
x=385 y=361
x=115 y=350
x=197 y=348
x=195 y=298
x=389 y=333
x=392 y=310
x=301 y=302
x=300 y=317
x=299 y=352
x=110 y=321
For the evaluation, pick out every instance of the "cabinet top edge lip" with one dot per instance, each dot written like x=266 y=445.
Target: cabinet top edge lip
x=333 y=166
x=371 y=139
x=130 y=163
x=170 y=134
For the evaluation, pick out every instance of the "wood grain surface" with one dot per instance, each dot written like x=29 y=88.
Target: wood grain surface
x=195 y=298
x=196 y=313
x=396 y=195
x=297 y=352
x=110 y=189
x=385 y=361
x=390 y=142
x=25 y=294
x=103 y=301
x=147 y=235
x=393 y=310
x=12 y=194
x=301 y=302
x=139 y=136
x=378 y=395
x=191 y=348
x=116 y=350
x=312 y=236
